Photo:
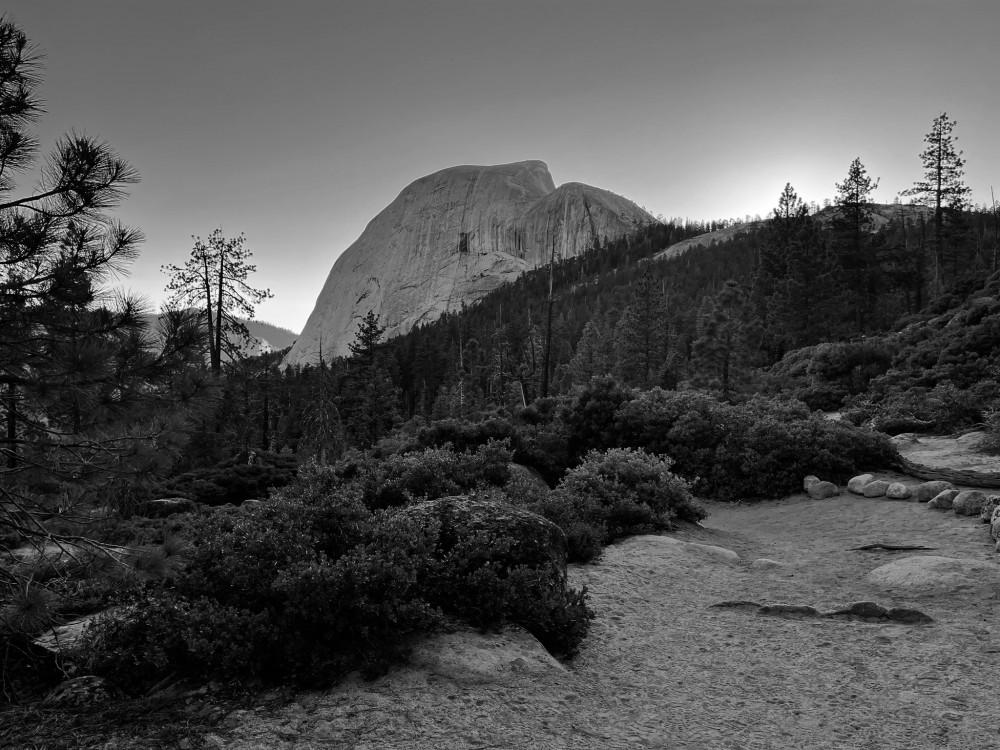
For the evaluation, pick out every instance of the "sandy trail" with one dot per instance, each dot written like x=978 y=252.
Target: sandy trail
x=662 y=669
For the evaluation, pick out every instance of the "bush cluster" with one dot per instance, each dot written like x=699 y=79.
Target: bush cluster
x=758 y=449
x=610 y=495
x=233 y=481
x=314 y=583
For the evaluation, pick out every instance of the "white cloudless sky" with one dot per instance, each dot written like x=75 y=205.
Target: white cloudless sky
x=295 y=122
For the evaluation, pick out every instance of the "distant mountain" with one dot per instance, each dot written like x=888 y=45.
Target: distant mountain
x=452 y=237
x=268 y=337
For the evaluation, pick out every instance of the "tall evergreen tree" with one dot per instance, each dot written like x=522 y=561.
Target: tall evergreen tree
x=370 y=404
x=943 y=188
x=855 y=244
x=214 y=281
x=641 y=334
x=724 y=342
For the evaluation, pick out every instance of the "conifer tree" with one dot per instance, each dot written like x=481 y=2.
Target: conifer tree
x=944 y=190
x=86 y=389
x=641 y=334
x=721 y=350
x=594 y=355
x=855 y=244
x=370 y=403
x=214 y=281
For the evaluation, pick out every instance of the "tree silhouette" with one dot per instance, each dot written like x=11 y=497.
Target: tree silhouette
x=214 y=281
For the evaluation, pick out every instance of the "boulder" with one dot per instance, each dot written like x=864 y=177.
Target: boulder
x=932 y=574
x=823 y=490
x=877 y=488
x=530 y=475
x=165 y=506
x=897 y=491
x=969 y=502
x=992 y=503
x=928 y=490
x=705 y=550
x=943 y=500
x=809 y=481
x=995 y=527
x=857 y=484
x=474 y=657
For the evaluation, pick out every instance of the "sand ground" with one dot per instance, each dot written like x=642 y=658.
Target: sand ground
x=661 y=668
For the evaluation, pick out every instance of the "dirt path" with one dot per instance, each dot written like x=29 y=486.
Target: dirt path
x=662 y=669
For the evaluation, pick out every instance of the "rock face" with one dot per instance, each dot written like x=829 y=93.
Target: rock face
x=451 y=238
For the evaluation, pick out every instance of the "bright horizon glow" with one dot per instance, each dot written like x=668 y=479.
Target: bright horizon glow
x=296 y=123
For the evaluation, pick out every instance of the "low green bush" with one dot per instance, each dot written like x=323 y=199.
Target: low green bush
x=313 y=583
x=758 y=449
x=611 y=494
x=233 y=481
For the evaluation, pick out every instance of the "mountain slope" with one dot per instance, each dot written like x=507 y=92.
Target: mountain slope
x=450 y=238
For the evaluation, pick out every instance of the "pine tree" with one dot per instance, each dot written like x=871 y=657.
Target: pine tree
x=641 y=334
x=720 y=352
x=371 y=398
x=214 y=281
x=86 y=389
x=855 y=244
x=594 y=355
x=944 y=190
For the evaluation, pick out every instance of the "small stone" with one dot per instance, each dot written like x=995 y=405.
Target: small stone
x=823 y=490
x=943 y=500
x=897 y=491
x=969 y=502
x=929 y=490
x=864 y=610
x=809 y=481
x=857 y=484
x=877 y=488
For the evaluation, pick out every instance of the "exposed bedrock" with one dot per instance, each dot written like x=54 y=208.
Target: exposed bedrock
x=449 y=239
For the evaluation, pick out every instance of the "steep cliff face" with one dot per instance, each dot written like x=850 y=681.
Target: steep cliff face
x=452 y=237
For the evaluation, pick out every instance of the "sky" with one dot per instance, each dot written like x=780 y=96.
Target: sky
x=296 y=122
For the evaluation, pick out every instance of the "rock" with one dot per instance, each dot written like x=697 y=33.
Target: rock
x=532 y=476
x=992 y=503
x=969 y=503
x=857 y=484
x=79 y=692
x=897 y=491
x=449 y=239
x=165 y=506
x=909 y=616
x=707 y=550
x=877 y=488
x=932 y=574
x=823 y=490
x=64 y=637
x=995 y=527
x=943 y=500
x=484 y=657
x=928 y=490
x=905 y=439
x=809 y=481
x=971 y=439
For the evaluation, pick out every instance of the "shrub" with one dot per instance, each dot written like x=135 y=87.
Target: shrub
x=235 y=480
x=625 y=491
x=759 y=449
x=427 y=474
x=496 y=563
x=589 y=418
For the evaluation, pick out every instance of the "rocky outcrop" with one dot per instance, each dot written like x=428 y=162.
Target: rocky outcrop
x=452 y=237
